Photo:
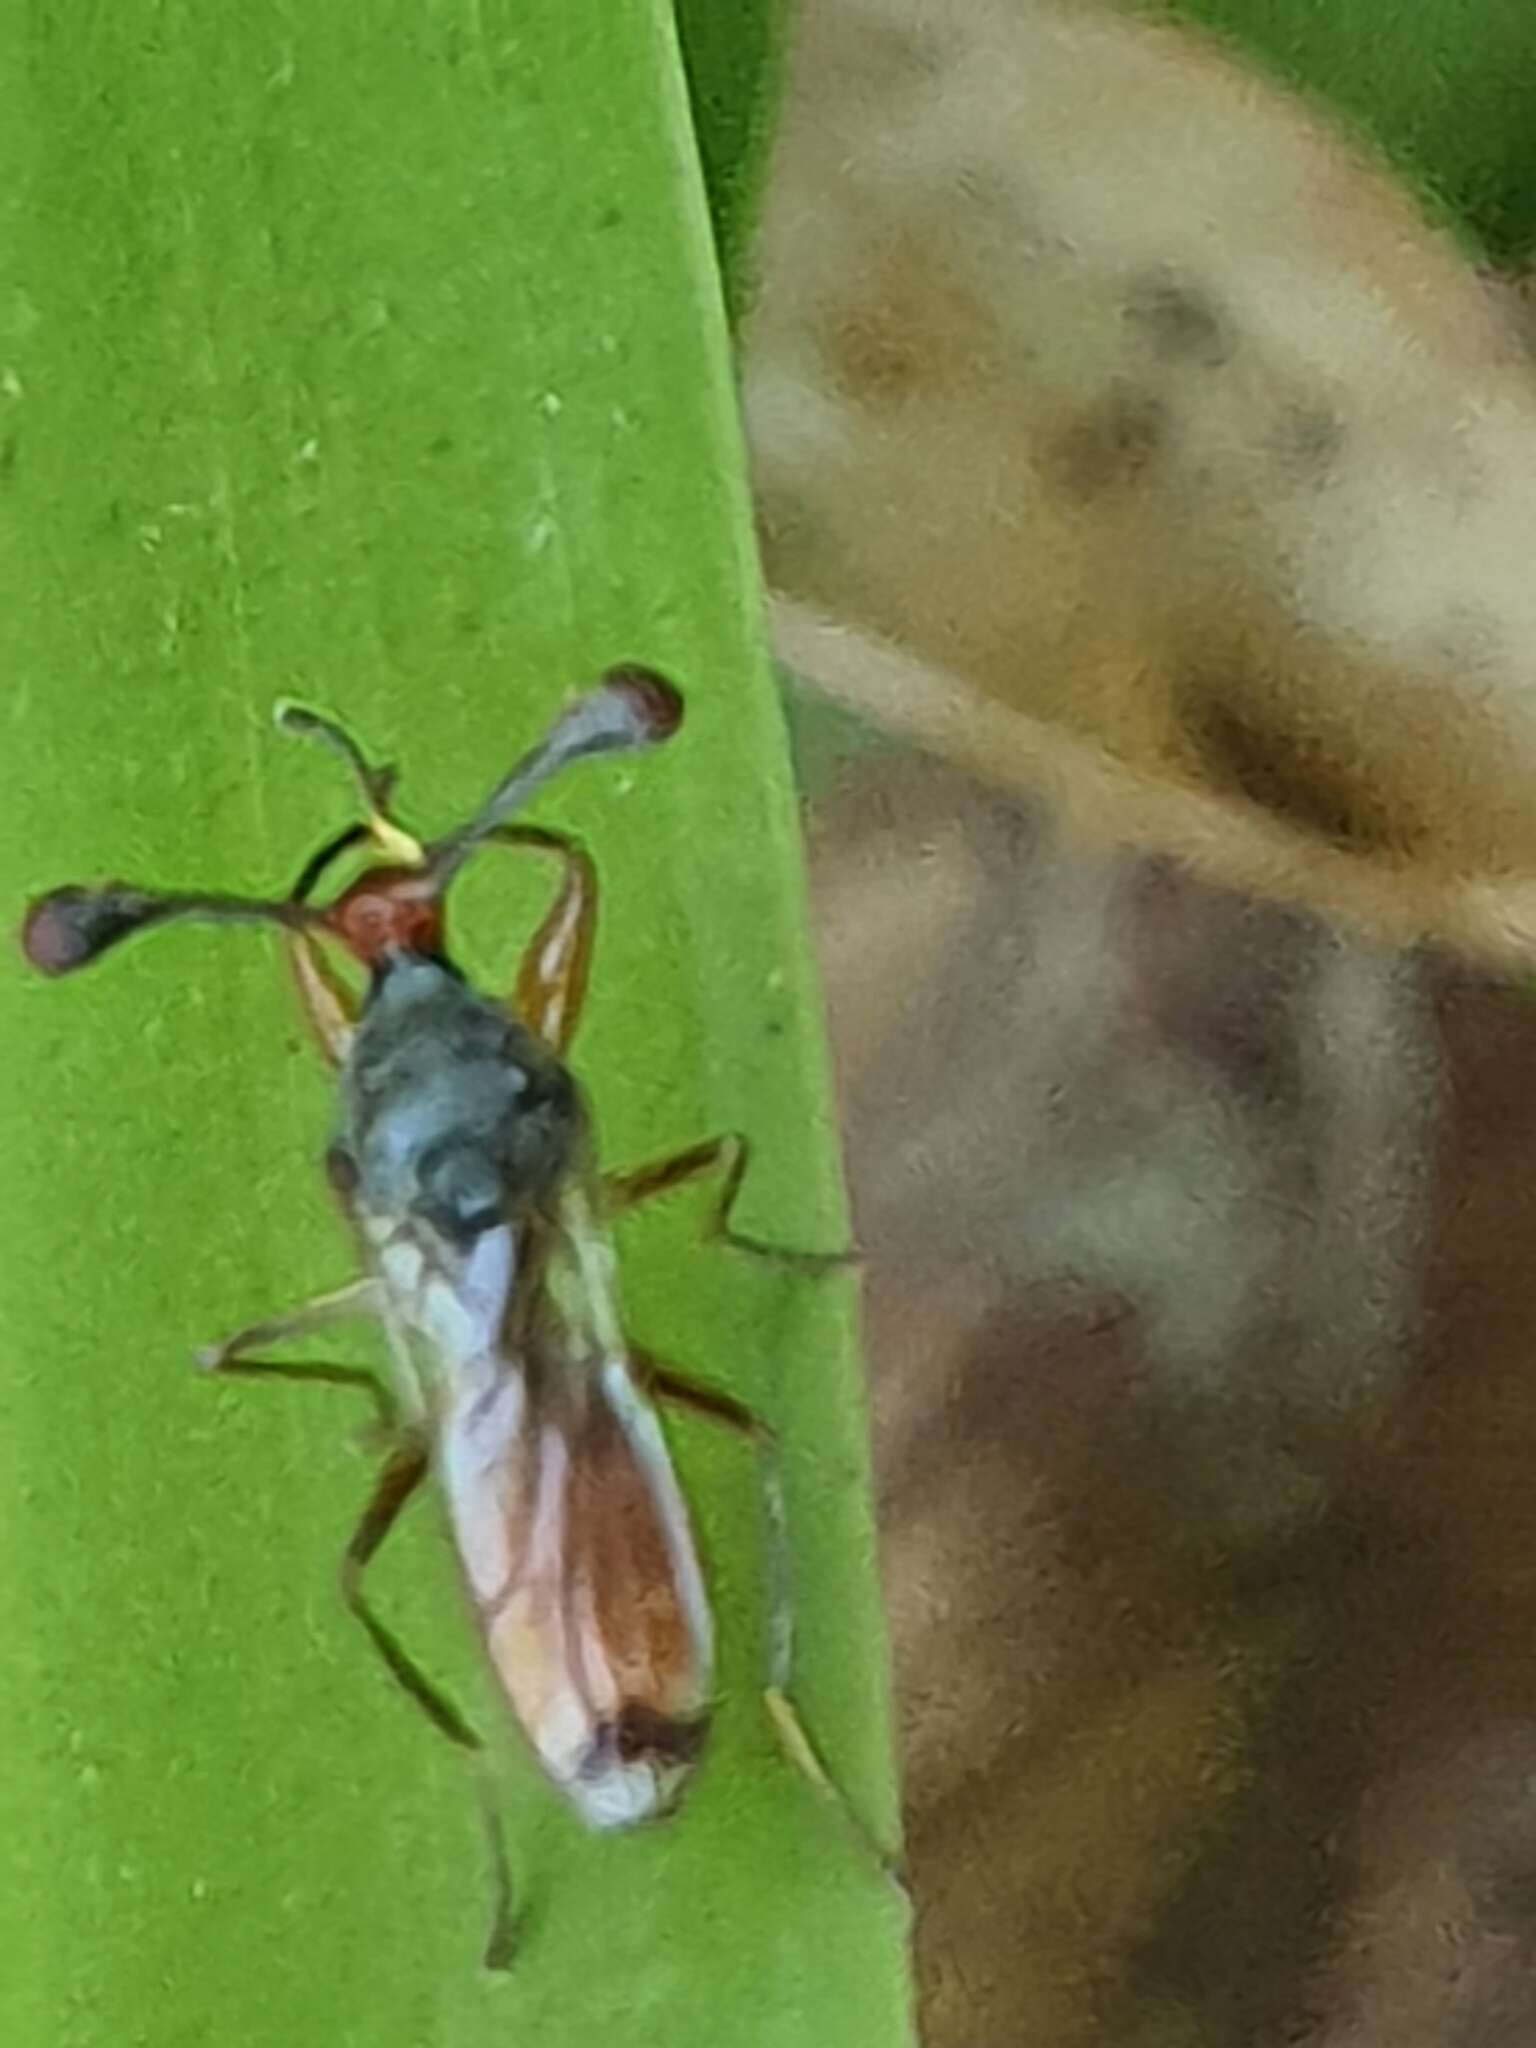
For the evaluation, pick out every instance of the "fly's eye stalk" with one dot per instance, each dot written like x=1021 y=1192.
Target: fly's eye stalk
x=395 y=908
x=630 y=708
x=69 y=928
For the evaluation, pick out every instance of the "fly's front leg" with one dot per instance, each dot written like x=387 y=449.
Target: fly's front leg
x=664 y=1384
x=552 y=980
x=728 y=1156
x=360 y=1298
x=551 y=992
x=327 y=1003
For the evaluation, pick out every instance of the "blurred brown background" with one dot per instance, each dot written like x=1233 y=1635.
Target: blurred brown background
x=1201 y=1320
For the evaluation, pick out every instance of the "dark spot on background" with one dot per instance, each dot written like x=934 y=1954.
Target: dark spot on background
x=1179 y=321
x=1306 y=439
x=1216 y=975
x=1469 y=638
x=10 y=449
x=897 y=333
x=999 y=199
x=1109 y=445
x=875 y=357
x=1285 y=774
x=896 y=57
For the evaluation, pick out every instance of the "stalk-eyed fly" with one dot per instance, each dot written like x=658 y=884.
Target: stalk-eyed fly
x=463 y=1155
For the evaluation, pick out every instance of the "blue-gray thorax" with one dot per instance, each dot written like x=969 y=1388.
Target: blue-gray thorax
x=451 y=1111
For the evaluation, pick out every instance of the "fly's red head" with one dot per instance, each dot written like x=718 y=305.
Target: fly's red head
x=389 y=910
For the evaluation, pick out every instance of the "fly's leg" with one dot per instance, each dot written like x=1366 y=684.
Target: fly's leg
x=552 y=980
x=400 y=1476
x=328 y=1004
x=357 y=1299
x=728 y=1156
x=551 y=992
x=664 y=1384
x=360 y=1298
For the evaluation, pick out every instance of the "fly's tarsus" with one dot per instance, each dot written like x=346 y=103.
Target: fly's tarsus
x=794 y=1738
x=727 y=1155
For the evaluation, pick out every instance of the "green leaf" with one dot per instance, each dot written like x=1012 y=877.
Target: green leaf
x=377 y=357
x=733 y=60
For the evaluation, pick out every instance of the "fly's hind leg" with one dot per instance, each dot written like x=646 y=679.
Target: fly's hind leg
x=728 y=1156
x=665 y=1384
x=399 y=1478
x=401 y=1474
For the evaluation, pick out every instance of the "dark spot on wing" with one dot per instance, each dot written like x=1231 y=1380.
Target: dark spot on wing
x=1180 y=322
x=639 y=1732
x=1109 y=445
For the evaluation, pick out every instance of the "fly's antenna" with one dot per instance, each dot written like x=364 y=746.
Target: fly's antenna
x=631 y=707
x=69 y=928
x=377 y=784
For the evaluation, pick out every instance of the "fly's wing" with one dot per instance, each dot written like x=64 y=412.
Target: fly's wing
x=581 y=1562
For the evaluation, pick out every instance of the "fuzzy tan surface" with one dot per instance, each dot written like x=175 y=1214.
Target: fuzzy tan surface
x=1122 y=434
x=1114 y=389
x=1202 y=1328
